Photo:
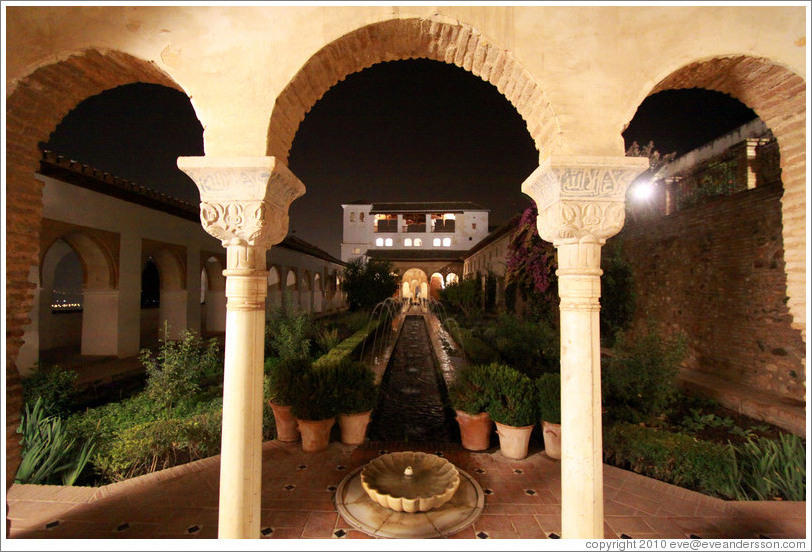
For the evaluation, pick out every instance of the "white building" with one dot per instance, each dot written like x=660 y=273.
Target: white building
x=450 y=226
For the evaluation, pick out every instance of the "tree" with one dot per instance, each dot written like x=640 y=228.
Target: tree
x=463 y=296
x=369 y=283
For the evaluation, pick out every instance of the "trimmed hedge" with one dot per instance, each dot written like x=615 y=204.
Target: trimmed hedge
x=514 y=401
x=670 y=457
x=348 y=347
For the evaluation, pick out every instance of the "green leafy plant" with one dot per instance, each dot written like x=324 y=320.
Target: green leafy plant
x=316 y=396
x=463 y=296
x=289 y=332
x=617 y=293
x=54 y=385
x=530 y=347
x=514 y=397
x=639 y=381
x=671 y=457
x=175 y=372
x=357 y=391
x=471 y=391
x=548 y=387
x=283 y=379
x=49 y=454
x=766 y=469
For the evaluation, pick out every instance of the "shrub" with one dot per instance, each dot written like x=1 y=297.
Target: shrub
x=514 y=397
x=671 y=457
x=639 y=382
x=49 y=455
x=477 y=351
x=356 y=387
x=548 y=387
x=530 y=347
x=464 y=296
x=349 y=346
x=283 y=378
x=54 y=385
x=316 y=395
x=765 y=469
x=617 y=293
x=151 y=446
x=175 y=372
x=471 y=391
x=288 y=332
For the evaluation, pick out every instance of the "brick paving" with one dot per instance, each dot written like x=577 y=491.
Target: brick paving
x=522 y=501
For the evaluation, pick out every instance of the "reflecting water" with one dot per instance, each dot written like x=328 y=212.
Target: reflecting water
x=413 y=394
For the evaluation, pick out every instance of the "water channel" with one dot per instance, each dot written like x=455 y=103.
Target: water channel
x=412 y=404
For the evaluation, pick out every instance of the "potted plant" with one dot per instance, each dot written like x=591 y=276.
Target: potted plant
x=280 y=384
x=513 y=409
x=358 y=395
x=315 y=405
x=548 y=387
x=470 y=397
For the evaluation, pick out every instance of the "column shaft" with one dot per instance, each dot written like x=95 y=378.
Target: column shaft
x=581 y=440
x=241 y=451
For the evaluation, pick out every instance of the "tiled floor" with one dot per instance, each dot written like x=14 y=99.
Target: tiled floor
x=522 y=501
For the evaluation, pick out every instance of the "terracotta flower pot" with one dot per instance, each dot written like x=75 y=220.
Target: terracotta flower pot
x=513 y=441
x=552 y=439
x=286 y=430
x=315 y=434
x=475 y=430
x=354 y=427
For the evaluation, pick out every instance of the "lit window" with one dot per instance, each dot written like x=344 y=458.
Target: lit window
x=407 y=242
x=418 y=242
x=356 y=250
x=436 y=242
x=379 y=242
x=446 y=242
x=361 y=217
x=352 y=216
x=388 y=242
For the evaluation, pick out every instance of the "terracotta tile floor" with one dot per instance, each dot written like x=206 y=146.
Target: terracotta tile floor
x=522 y=501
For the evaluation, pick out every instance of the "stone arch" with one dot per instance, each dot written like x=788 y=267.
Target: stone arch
x=213 y=311
x=306 y=289
x=778 y=96
x=98 y=263
x=401 y=39
x=34 y=107
x=318 y=293
x=414 y=279
x=436 y=283
x=291 y=290
x=171 y=264
x=274 y=289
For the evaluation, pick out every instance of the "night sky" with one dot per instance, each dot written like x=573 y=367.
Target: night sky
x=413 y=130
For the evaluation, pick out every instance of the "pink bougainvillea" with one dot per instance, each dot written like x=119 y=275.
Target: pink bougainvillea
x=531 y=262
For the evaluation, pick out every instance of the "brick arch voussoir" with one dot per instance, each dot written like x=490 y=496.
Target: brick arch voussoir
x=778 y=96
x=402 y=39
x=34 y=107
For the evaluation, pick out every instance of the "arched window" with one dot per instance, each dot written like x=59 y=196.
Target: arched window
x=436 y=242
x=446 y=242
x=360 y=217
x=407 y=242
x=379 y=242
x=352 y=216
x=388 y=242
x=418 y=242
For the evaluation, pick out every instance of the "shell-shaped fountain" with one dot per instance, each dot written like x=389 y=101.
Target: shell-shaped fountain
x=410 y=481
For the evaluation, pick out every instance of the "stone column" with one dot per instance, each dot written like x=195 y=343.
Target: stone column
x=243 y=202
x=581 y=203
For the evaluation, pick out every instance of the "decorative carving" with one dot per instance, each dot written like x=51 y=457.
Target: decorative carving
x=243 y=200
x=581 y=196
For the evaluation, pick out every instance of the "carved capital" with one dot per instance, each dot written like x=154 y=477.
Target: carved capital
x=243 y=200
x=580 y=197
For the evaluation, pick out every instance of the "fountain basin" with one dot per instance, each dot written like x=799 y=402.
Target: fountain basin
x=410 y=481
